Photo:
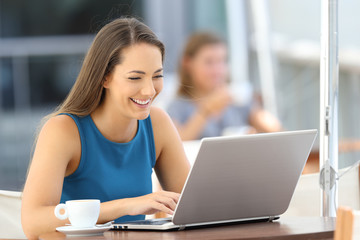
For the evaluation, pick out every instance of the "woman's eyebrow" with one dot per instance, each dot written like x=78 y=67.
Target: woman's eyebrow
x=142 y=72
x=159 y=70
x=137 y=71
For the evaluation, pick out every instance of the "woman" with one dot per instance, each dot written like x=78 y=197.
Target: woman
x=105 y=138
x=204 y=106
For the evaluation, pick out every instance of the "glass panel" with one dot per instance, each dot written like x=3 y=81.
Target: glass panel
x=31 y=86
x=19 y=18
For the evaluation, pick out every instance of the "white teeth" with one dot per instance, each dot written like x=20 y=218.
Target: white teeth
x=141 y=102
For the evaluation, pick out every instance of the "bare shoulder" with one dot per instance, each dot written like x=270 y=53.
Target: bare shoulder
x=61 y=120
x=163 y=128
x=158 y=114
x=60 y=124
x=160 y=119
x=62 y=130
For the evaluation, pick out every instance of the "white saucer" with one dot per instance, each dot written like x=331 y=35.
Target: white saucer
x=76 y=231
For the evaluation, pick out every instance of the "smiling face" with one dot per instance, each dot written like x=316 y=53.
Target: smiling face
x=134 y=83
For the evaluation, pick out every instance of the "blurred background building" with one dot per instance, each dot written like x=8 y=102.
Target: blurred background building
x=274 y=48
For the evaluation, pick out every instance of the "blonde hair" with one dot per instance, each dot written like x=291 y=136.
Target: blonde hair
x=195 y=42
x=103 y=55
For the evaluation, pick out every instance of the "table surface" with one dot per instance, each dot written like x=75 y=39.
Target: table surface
x=284 y=228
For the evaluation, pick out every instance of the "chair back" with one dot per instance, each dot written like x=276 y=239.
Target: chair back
x=347 y=224
x=10 y=215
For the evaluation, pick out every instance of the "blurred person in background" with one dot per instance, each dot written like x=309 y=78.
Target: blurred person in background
x=105 y=139
x=205 y=106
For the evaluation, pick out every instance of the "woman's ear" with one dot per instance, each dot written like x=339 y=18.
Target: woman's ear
x=106 y=81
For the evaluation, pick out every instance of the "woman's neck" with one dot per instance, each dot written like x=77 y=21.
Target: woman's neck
x=200 y=93
x=113 y=126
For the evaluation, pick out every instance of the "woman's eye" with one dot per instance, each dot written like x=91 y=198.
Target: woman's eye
x=158 y=76
x=134 y=78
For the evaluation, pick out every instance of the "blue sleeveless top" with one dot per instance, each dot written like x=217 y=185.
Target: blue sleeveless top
x=110 y=170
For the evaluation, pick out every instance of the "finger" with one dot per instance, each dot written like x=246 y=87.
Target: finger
x=170 y=200
x=162 y=208
x=172 y=195
x=170 y=203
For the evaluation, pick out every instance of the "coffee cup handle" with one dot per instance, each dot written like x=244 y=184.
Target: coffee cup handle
x=57 y=210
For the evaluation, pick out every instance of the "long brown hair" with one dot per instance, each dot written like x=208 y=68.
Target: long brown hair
x=103 y=55
x=195 y=42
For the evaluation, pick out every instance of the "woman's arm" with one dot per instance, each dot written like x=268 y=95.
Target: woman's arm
x=172 y=166
x=56 y=147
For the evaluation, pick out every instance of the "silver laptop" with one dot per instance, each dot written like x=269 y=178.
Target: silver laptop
x=238 y=178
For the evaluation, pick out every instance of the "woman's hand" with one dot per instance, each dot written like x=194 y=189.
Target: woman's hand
x=215 y=102
x=149 y=204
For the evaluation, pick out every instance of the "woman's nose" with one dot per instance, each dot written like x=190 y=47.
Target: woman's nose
x=148 y=88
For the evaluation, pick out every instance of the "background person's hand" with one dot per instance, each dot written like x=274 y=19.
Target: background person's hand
x=152 y=203
x=216 y=102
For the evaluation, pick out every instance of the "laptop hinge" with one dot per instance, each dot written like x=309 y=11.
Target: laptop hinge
x=271 y=218
x=181 y=227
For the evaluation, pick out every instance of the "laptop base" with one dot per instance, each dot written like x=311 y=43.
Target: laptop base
x=167 y=225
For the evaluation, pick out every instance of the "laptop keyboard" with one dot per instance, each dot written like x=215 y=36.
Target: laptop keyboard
x=151 y=222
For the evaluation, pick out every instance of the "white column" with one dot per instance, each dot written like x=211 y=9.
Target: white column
x=329 y=73
x=264 y=52
x=237 y=39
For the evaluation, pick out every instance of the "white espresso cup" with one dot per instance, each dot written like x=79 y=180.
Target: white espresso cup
x=81 y=213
